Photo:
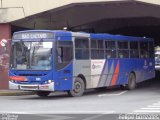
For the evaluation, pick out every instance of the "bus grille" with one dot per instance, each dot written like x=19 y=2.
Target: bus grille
x=29 y=87
x=32 y=74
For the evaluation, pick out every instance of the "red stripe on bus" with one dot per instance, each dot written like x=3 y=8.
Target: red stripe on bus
x=115 y=76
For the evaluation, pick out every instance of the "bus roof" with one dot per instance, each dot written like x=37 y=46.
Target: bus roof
x=118 y=37
x=92 y=35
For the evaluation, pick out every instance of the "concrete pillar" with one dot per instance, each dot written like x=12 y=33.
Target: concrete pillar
x=5 y=37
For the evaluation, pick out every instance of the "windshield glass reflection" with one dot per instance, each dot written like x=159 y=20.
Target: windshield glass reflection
x=31 y=55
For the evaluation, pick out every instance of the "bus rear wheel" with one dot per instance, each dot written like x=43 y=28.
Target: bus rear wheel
x=43 y=93
x=79 y=87
x=131 y=81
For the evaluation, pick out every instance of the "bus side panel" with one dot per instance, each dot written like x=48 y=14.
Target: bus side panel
x=65 y=78
x=83 y=67
x=126 y=67
x=149 y=67
x=143 y=69
x=98 y=72
x=104 y=72
x=112 y=72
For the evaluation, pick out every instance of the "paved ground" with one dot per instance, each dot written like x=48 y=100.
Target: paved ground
x=14 y=93
x=144 y=100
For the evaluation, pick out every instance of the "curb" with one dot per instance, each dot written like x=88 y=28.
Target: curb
x=15 y=93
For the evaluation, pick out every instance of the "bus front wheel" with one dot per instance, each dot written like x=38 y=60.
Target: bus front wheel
x=79 y=88
x=131 y=81
x=43 y=93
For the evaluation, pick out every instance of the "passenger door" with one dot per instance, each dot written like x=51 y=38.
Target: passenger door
x=64 y=65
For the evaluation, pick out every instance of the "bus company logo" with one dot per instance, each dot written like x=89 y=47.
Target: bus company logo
x=38 y=79
x=93 y=66
x=145 y=64
x=96 y=66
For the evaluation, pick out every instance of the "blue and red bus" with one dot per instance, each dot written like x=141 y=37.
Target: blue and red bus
x=48 y=60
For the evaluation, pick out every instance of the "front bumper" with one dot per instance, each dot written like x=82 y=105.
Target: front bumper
x=32 y=87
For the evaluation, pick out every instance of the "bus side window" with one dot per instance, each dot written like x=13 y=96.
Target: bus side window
x=97 y=49
x=151 y=49
x=64 y=53
x=110 y=49
x=120 y=53
x=123 y=49
x=134 y=49
x=81 y=48
x=144 y=50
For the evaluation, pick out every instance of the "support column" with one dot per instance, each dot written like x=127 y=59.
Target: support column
x=5 y=40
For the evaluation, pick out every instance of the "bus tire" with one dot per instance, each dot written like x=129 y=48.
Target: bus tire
x=79 y=87
x=43 y=93
x=131 y=81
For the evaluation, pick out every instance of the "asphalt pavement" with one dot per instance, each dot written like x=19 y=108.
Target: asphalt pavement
x=110 y=103
x=15 y=93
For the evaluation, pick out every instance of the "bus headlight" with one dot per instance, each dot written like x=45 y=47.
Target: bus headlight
x=48 y=81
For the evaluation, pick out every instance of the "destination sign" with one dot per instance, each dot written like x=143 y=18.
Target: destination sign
x=33 y=35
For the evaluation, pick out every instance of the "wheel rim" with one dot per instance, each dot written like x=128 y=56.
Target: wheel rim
x=78 y=87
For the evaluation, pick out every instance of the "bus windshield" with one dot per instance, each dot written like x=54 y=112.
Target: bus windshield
x=31 y=55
